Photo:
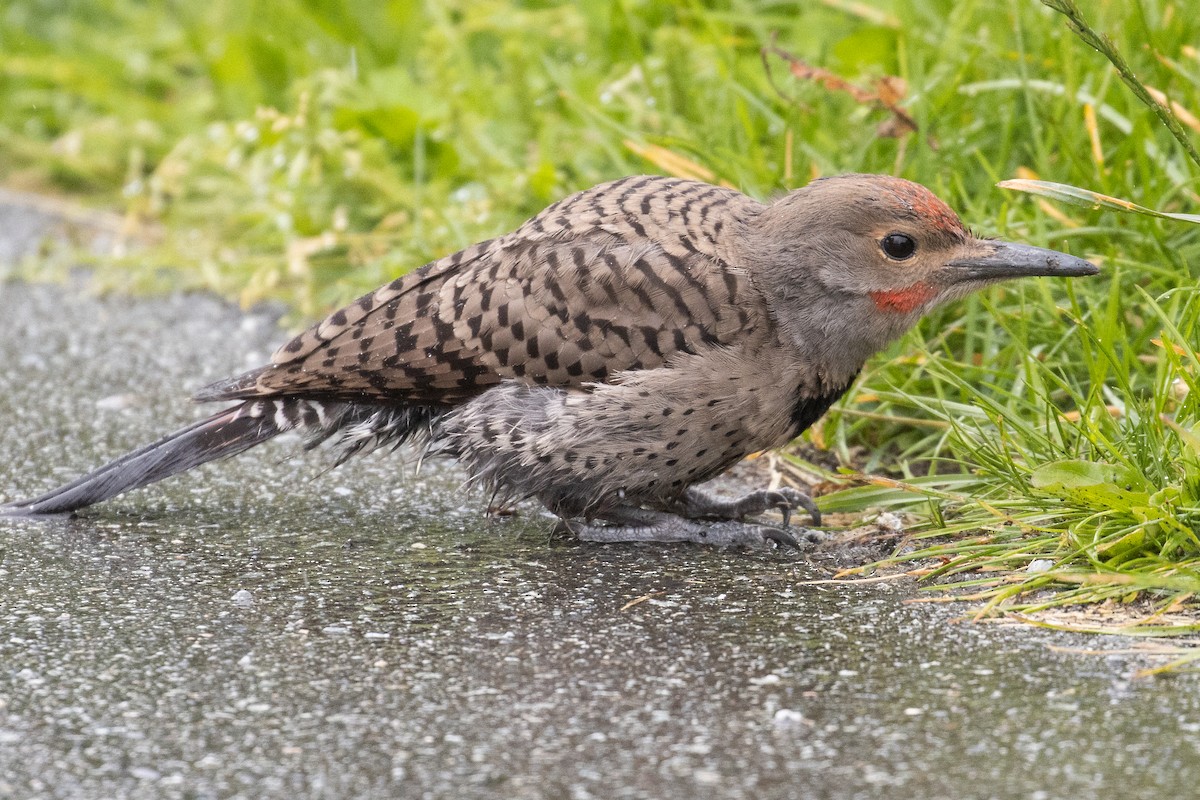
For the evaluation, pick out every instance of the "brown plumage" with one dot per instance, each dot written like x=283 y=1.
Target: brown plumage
x=627 y=343
x=616 y=278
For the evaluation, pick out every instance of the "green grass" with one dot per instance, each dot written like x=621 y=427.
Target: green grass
x=317 y=155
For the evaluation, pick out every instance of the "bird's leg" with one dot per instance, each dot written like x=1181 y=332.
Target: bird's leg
x=631 y=524
x=697 y=503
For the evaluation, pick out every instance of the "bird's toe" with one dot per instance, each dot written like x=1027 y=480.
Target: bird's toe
x=787 y=500
x=778 y=536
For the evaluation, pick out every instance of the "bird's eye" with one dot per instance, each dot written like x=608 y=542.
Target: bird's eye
x=898 y=246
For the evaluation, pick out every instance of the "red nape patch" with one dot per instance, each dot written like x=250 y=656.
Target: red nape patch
x=904 y=300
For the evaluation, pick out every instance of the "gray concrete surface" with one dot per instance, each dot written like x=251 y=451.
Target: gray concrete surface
x=262 y=628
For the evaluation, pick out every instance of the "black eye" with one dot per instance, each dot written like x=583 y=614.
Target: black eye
x=898 y=246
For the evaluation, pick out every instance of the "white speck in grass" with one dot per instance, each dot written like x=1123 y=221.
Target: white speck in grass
x=1040 y=565
x=890 y=523
x=913 y=712
x=247 y=132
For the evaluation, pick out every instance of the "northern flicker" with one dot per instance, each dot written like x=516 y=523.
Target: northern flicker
x=626 y=344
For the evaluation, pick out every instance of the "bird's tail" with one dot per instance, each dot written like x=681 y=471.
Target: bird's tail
x=226 y=433
x=355 y=427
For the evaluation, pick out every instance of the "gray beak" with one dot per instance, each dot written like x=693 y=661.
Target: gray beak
x=1000 y=260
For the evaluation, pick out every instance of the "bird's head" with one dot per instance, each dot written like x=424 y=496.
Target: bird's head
x=857 y=259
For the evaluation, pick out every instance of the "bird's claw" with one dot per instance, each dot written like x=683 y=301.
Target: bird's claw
x=787 y=500
x=780 y=537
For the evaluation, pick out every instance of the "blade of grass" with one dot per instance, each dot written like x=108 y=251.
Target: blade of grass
x=1104 y=44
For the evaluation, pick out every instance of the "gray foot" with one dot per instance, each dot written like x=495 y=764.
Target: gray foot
x=698 y=503
x=639 y=525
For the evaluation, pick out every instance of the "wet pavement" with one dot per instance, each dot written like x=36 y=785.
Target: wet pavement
x=263 y=627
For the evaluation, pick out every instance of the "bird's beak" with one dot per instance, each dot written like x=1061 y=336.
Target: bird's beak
x=997 y=260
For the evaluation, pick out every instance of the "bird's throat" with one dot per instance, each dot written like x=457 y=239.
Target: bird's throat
x=902 y=301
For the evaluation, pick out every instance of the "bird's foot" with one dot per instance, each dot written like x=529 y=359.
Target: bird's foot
x=697 y=503
x=651 y=526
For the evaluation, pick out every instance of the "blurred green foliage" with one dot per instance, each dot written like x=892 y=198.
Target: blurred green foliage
x=311 y=150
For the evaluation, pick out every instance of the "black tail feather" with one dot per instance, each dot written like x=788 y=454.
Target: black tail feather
x=359 y=428
x=227 y=433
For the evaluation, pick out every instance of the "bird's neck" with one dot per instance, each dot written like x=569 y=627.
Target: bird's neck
x=830 y=340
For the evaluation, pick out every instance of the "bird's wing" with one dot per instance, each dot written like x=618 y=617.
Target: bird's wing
x=579 y=293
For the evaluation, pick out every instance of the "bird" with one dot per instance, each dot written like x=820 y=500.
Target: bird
x=612 y=354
